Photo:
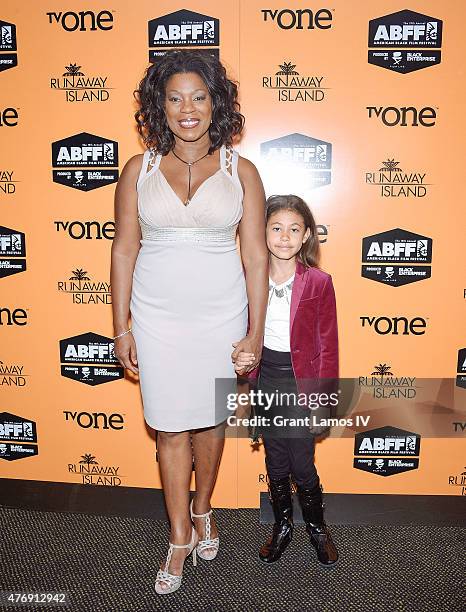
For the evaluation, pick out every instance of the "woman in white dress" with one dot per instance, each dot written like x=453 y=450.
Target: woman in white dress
x=177 y=274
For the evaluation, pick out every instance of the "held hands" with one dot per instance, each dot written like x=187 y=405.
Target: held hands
x=246 y=355
x=125 y=352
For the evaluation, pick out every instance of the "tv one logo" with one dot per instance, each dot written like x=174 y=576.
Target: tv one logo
x=395 y=325
x=12 y=251
x=95 y=420
x=83 y=21
x=17 y=316
x=396 y=257
x=183 y=29
x=405 y=116
x=8 y=47
x=89 y=359
x=76 y=153
x=391 y=450
x=87 y=230
x=302 y=19
x=296 y=160
x=400 y=41
x=9 y=117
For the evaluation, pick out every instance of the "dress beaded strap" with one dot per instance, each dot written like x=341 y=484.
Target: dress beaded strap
x=150 y=163
x=229 y=164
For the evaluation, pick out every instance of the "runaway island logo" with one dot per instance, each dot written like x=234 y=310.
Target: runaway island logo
x=78 y=87
x=293 y=87
x=90 y=471
x=12 y=375
x=84 y=290
x=382 y=384
x=393 y=182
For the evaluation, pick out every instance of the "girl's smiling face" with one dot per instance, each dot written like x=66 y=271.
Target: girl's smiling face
x=285 y=233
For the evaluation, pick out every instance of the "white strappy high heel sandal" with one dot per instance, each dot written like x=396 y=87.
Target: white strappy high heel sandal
x=207 y=549
x=171 y=581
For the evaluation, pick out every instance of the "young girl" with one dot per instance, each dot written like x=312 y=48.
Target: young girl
x=300 y=343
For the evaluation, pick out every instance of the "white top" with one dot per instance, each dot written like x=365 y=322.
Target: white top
x=277 y=320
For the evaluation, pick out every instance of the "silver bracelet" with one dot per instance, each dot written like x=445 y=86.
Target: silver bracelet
x=123 y=334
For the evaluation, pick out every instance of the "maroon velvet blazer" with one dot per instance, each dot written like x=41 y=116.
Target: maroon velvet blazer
x=313 y=326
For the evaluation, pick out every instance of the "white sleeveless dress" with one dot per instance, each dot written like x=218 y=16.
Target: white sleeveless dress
x=188 y=301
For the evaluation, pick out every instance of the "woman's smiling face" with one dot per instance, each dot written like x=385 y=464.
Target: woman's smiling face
x=188 y=106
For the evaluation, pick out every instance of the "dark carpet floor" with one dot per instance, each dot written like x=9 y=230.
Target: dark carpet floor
x=109 y=564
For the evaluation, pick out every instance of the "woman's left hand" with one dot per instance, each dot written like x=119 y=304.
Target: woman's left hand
x=249 y=344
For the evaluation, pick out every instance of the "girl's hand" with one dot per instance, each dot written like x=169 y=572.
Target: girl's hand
x=125 y=352
x=250 y=345
x=243 y=360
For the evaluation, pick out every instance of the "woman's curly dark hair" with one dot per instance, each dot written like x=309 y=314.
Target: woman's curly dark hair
x=152 y=125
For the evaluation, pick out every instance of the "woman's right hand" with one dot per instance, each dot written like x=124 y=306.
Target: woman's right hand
x=125 y=352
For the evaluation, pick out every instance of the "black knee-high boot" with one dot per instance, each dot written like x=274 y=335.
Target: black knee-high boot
x=313 y=515
x=280 y=498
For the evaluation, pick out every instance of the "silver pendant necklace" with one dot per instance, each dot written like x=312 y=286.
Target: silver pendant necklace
x=189 y=164
x=282 y=292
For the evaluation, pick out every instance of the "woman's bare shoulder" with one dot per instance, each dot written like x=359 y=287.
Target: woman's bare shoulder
x=247 y=171
x=134 y=164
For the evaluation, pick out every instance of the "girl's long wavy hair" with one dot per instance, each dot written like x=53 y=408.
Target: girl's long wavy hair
x=309 y=253
x=151 y=121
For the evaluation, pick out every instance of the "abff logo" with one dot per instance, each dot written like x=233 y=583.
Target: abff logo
x=461 y=369
x=401 y=39
x=386 y=451
x=81 y=151
x=389 y=253
x=12 y=251
x=296 y=160
x=8 y=47
x=89 y=359
x=182 y=29
x=18 y=437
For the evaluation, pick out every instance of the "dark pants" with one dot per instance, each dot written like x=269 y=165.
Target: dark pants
x=288 y=451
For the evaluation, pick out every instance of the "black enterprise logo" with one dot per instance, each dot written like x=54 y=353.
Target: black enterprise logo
x=8 y=47
x=183 y=29
x=18 y=437
x=296 y=159
x=12 y=251
x=386 y=451
x=405 y=41
x=89 y=359
x=396 y=257
x=79 y=87
x=291 y=86
x=76 y=153
x=392 y=181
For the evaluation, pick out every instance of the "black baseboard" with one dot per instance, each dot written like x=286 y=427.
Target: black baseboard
x=341 y=508
x=366 y=509
x=79 y=498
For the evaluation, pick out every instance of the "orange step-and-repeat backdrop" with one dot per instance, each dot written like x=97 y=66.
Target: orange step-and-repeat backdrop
x=357 y=107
